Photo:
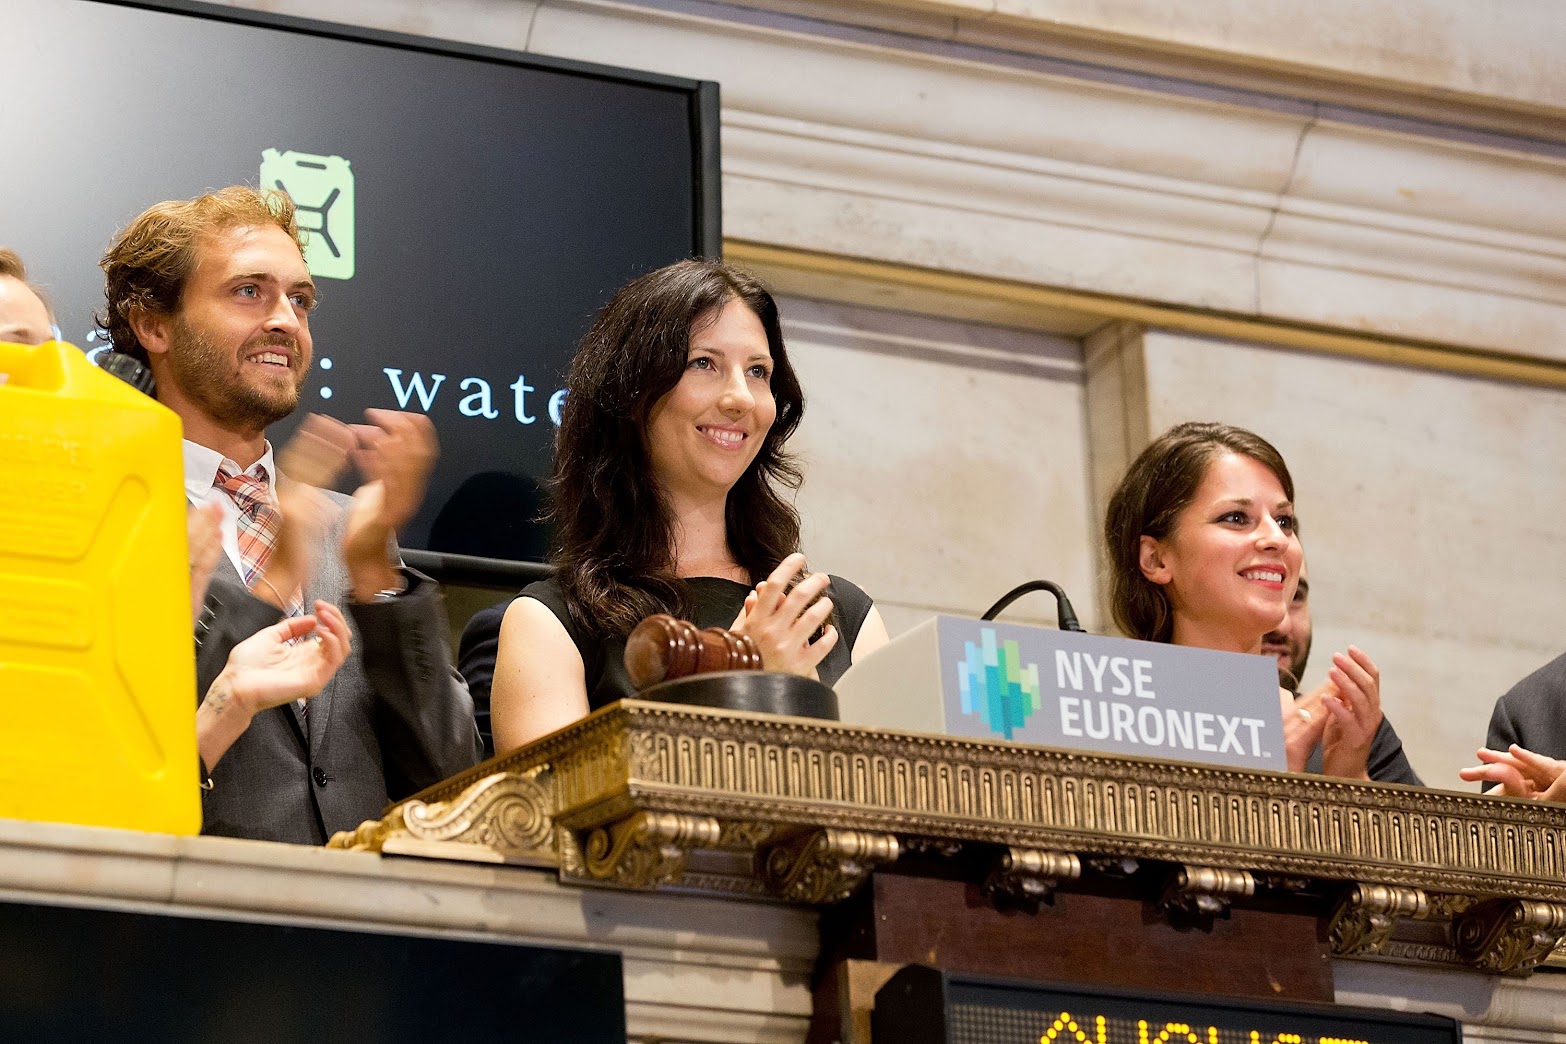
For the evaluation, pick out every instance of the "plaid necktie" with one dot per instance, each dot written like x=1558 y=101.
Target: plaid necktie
x=259 y=521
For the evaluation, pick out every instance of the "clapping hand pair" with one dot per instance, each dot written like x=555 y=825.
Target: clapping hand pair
x=788 y=620
x=1342 y=714
x=395 y=453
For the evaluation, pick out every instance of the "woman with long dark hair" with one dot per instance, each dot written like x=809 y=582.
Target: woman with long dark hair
x=669 y=496
x=1204 y=551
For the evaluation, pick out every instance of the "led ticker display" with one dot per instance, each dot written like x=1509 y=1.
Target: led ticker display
x=923 y=1006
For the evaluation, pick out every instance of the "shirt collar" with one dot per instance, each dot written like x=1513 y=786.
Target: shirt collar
x=202 y=464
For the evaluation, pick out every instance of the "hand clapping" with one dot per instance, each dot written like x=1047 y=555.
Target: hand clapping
x=396 y=453
x=271 y=667
x=782 y=621
x=281 y=663
x=1352 y=699
x=1519 y=772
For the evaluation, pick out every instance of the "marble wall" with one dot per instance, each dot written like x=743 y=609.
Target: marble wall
x=945 y=462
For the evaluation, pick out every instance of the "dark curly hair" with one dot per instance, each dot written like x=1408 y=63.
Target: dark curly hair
x=614 y=534
x=1159 y=484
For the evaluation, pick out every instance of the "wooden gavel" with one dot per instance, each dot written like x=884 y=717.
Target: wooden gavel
x=663 y=648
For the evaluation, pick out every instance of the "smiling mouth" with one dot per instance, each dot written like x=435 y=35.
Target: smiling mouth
x=271 y=359
x=724 y=437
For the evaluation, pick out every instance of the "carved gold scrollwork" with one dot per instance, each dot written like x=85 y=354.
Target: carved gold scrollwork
x=744 y=835
x=507 y=814
x=1363 y=920
x=647 y=849
x=825 y=866
x=1029 y=876
x=1203 y=891
x=1509 y=936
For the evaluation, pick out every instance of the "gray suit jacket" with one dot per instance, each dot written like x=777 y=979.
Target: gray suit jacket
x=395 y=719
x=1533 y=713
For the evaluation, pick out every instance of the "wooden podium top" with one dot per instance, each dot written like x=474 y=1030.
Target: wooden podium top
x=650 y=795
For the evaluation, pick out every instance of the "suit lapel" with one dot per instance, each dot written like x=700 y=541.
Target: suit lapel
x=225 y=569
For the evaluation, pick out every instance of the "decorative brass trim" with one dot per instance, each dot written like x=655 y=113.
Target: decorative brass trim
x=503 y=817
x=650 y=794
x=1509 y=936
x=793 y=771
x=825 y=866
x=1029 y=877
x=1203 y=891
x=1423 y=355
x=646 y=849
x=1365 y=916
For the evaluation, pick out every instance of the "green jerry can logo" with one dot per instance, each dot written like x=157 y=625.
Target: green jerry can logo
x=322 y=190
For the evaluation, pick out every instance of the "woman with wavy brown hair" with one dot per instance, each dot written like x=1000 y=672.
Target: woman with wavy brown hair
x=668 y=496
x=1204 y=551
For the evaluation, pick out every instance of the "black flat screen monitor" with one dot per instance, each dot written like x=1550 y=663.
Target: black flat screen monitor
x=473 y=208
x=78 y=974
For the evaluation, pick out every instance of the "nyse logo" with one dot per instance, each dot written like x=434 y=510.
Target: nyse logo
x=995 y=686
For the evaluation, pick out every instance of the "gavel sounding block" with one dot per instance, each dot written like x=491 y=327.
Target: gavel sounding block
x=673 y=661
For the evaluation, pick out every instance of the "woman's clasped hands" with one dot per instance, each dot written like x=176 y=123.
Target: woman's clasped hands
x=789 y=621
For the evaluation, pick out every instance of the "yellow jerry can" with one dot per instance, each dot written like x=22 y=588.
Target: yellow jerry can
x=97 y=676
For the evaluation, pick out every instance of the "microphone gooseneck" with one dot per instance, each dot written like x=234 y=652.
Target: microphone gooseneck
x=1063 y=610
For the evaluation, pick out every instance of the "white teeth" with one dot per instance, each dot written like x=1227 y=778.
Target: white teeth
x=730 y=437
x=272 y=357
x=1264 y=574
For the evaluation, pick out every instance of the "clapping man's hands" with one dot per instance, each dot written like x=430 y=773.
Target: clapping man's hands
x=396 y=453
x=293 y=659
x=313 y=460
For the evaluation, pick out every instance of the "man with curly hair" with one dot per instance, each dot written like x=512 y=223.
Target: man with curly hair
x=213 y=294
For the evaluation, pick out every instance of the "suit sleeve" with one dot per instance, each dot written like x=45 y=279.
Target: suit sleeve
x=423 y=711
x=1503 y=727
x=1388 y=763
x=229 y=615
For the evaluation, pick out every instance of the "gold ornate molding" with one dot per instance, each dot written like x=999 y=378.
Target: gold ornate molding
x=647 y=849
x=503 y=817
x=647 y=795
x=826 y=866
x=1509 y=936
x=1204 y=891
x=1030 y=877
x=1365 y=916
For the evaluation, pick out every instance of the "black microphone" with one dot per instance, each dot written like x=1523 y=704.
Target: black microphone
x=128 y=369
x=1063 y=610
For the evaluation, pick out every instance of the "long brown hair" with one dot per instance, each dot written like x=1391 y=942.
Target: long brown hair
x=1159 y=484
x=614 y=535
